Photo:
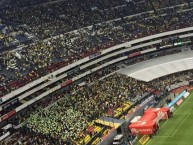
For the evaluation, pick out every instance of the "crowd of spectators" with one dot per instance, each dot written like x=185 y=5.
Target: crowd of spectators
x=89 y=102
x=39 y=58
x=172 y=79
x=12 y=35
x=36 y=138
x=126 y=89
x=104 y=91
x=68 y=119
x=100 y=73
x=64 y=16
x=53 y=115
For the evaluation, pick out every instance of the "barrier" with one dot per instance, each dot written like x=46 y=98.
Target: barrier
x=144 y=139
x=134 y=141
x=179 y=102
x=177 y=98
x=7 y=126
x=172 y=109
x=4 y=136
x=186 y=95
x=94 y=55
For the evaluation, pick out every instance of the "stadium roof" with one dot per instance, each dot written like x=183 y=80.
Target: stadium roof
x=156 y=68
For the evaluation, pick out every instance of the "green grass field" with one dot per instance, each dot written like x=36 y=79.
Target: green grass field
x=178 y=130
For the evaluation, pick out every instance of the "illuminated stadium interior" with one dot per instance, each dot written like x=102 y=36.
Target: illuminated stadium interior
x=96 y=72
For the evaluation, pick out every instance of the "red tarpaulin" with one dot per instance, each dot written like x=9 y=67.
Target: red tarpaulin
x=147 y=123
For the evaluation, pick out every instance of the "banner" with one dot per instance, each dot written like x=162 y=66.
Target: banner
x=4 y=117
x=186 y=95
x=144 y=139
x=142 y=131
x=179 y=102
x=134 y=54
x=66 y=83
x=176 y=99
x=148 y=50
x=172 y=109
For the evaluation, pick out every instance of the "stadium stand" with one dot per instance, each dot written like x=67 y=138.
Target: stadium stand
x=59 y=54
x=40 y=37
x=52 y=117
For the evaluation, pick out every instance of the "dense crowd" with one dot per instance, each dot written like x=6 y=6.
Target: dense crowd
x=25 y=136
x=39 y=58
x=53 y=115
x=12 y=35
x=4 y=4
x=100 y=73
x=69 y=118
x=82 y=103
x=64 y=16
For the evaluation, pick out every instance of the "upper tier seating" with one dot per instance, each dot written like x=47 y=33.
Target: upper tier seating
x=25 y=65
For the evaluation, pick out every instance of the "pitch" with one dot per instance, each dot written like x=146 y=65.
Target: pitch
x=178 y=130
